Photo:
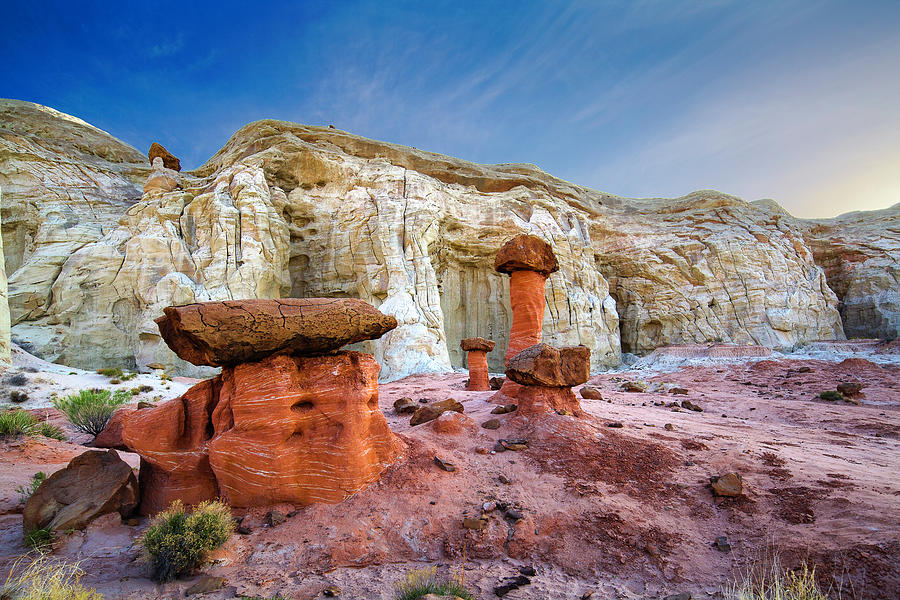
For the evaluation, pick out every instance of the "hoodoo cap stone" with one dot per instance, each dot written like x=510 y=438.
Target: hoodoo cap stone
x=544 y=365
x=526 y=253
x=239 y=331
x=169 y=161
x=477 y=343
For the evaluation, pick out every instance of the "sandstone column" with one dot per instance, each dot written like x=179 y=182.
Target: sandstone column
x=546 y=376
x=529 y=260
x=477 y=349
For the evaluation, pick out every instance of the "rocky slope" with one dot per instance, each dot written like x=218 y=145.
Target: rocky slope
x=286 y=210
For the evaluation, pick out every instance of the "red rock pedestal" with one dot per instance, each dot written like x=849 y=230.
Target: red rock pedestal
x=285 y=429
x=546 y=376
x=477 y=349
x=529 y=260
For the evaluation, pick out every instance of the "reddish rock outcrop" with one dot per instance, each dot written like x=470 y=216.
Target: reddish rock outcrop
x=477 y=349
x=432 y=411
x=529 y=260
x=238 y=331
x=293 y=429
x=169 y=160
x=92 y=484
x=546 y=375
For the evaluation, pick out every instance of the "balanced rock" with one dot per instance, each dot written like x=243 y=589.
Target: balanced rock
x=292 y=429
x=92 y=484
x=477 y=349
x=430 y=412
x=162 y=180
x=169 y=161
x=526 y=253
x=544 y=365
x=239 y=331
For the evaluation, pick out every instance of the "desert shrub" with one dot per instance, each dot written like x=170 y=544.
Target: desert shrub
x=19 y=379
x=114 y=372
x=419 y=582
x=177 y=541
x=18 y=396
x=128 y=376
x=26 y=491
x=89 y=411
x=141 y=389
x=49 y=430
x=767 y=580
x=832 y=395
x=40 y=538
x=46 y=579
x=17 y=422
x=30 y=369
x=165 y=377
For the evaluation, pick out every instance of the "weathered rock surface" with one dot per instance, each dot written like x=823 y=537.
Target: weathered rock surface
x=432 y=411
x=544 y=365
x=526 y=253
x=285 y=210
x=239 y=331
x=157 y=150
x=477 y=344
x=5 y=340
x=92 y=484
x=476 y=357
x=285 y=429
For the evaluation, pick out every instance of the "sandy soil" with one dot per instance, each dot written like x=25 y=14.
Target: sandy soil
x=624 y=512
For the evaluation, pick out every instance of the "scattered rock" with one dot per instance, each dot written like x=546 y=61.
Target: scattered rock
x=804 y=370
x=504 y=409
x=678 y=391
x=729 y=486
x=652 y=549
x=489 y=506
x=482 y=450
x=590 y=392
x=332 y=591
x=513 y=514
x=544 y=365
x=492 y=424
x=405 y=406
x=691 y=406
x=93 y=484
x=445 y=465
x=205 y=584
x=617 y=424
x=681 y=596
x=850 y=389
x=516 y=445
x=142 y=405
x=169 y=160
x=512 y=583
x=240 y=331
x=634 y=386
x=433 y=411
x=497 y=382
x=503 y=479
x=721 y=544
x=669 y=427
x=527 y=571
x=474 y=524
x=274 y=518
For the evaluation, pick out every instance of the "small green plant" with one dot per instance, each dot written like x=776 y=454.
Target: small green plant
x=767 y=580
x=165 y=377
x=112 y=372
x=18 y=397
x=831 y=395
x=49 y=430
x=419 y=582
x=128 y=376
x=177 y=542
x=89 y=411
x=19 y=379
x=25 y=492
x=141 y=389
x=45 y=579
x=39 y=539
x=17 y=422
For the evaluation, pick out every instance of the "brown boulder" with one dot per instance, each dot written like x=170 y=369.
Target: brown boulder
x=544 y=365
x=730 y=485
x=526 y=253
x=590 y=392
x=93 y=484
x=430 y=412
x=240 y=331
x=477 y=343
x=169 y=161
x=285 y=429
x=851 y=389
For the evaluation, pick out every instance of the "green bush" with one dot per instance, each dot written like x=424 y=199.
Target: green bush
x=177 y=542
x=419 y=582
x=46 y=579
x=832 y=395
x=49 y=430
x=27 y=491
x=17 y=422
x=89 y=411
x=113 y=372
x=39 y=539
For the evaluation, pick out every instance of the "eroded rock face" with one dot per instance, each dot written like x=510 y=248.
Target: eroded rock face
x=544 y=365
x=92 y=484
x=239 y=331
x=285 y=429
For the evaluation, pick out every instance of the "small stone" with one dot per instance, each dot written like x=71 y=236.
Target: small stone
x=274 y=518
x=590 y=392
x=244 y=529
x=669 y=427
x=423 y=400
x=634 y=386
x=515 y=445
x=850 y=388
x=652 y=549
x=587 y=596
x=508 y=585
x=616 y=424
x=132 y=522
x=445 y=465
x=513 y=515
x=503 y=479
x=497 y=382
x=492 y=424
x=678 y=390
x=474 y=524
x=729 y=486
x=142 y=405
x=721 y=544
x=433 y=411
x=405 y=406
x=205 y=584
x=681 y=596
x=489 y=506
x=506 y=408
x=690 y=406
x=527 y=571
x=481 y=450
x=804 y=370
x=332 y=591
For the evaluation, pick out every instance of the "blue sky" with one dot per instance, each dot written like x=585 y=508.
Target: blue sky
x=796 y=101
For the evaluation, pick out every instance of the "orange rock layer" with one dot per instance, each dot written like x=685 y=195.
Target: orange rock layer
x=479 y=380
x=536 y=400
x=526 y=295
x=284 y=429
